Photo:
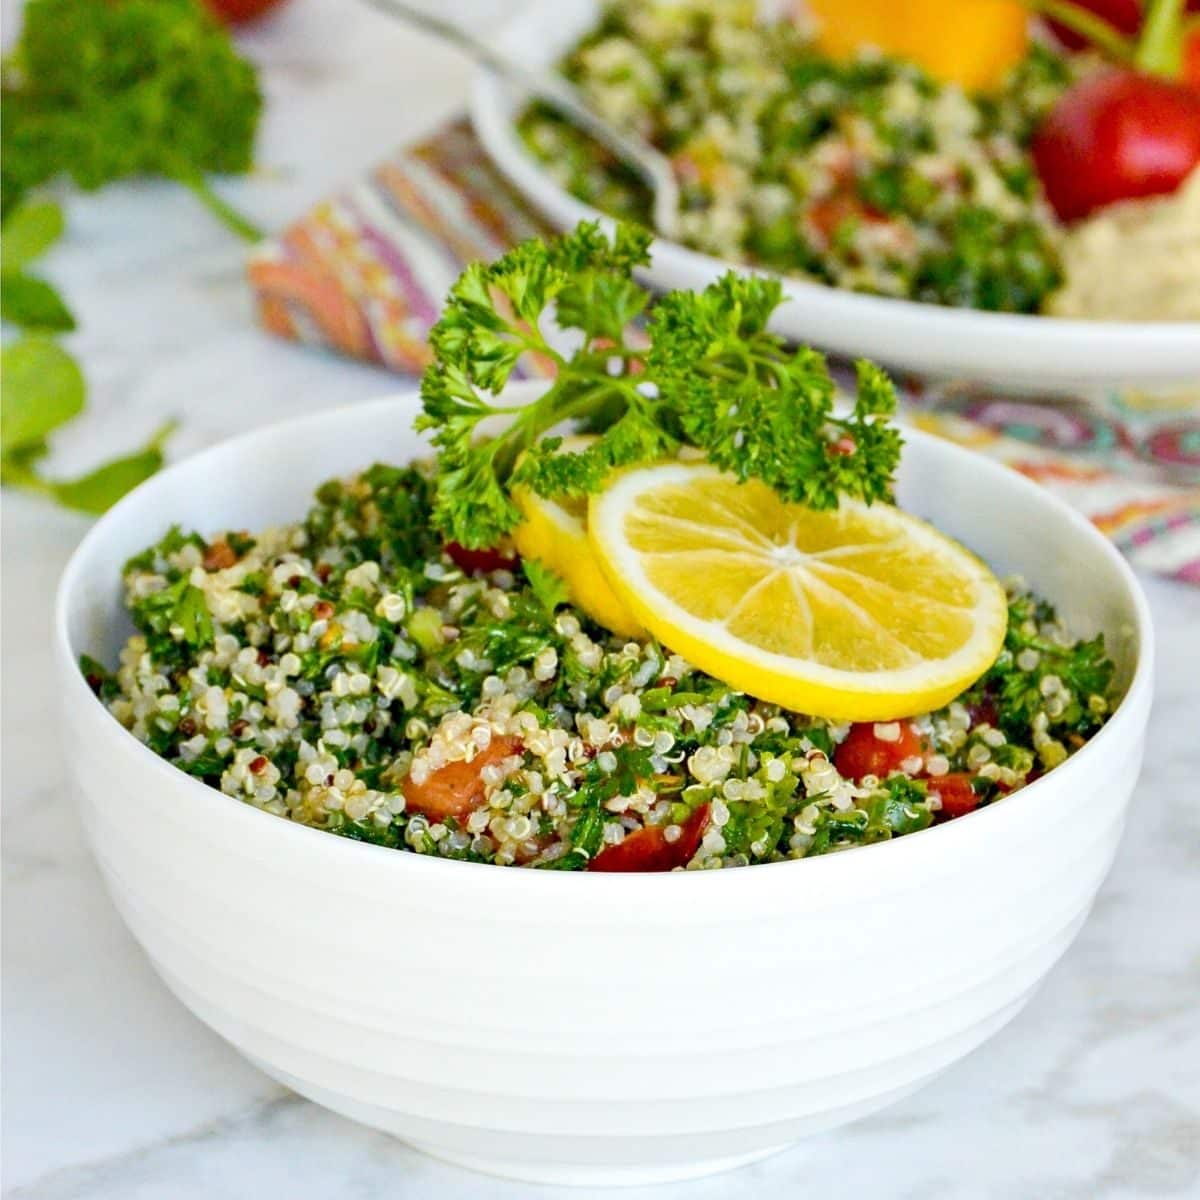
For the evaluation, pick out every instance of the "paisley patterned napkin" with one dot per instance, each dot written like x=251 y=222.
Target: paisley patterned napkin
x=363 y=273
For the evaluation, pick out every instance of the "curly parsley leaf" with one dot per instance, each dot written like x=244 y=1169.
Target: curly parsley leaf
x=761 y=410
x=494 y=315
x=712 y=375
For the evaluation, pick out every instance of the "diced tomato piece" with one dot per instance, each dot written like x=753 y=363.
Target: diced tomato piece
x=828 y=214
x=456 y=789
x=863 y=753
x=648 y=849
x=219 y=555
x=957 y=795
x=480 y=560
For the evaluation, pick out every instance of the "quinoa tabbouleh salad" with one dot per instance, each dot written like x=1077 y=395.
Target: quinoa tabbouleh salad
x=868 y=174
x=391 y=670
x=935 y=153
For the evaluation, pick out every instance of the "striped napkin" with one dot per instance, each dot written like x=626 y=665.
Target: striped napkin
x=364 y=272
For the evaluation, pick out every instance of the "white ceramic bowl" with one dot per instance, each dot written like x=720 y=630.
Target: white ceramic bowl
x=1043 y=354
x=595 y=1028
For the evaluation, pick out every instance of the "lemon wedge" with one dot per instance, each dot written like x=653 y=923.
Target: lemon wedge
x=860 y=613
x=555 y=533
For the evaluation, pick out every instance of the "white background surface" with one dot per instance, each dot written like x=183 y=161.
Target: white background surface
x=111 y=1091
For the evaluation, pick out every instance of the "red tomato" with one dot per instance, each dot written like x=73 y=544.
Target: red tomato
x=957 y=795
x=826 y=215
x=1117 y=135
x=1191 y=59
x=1125 y=16
x=648 y=849
x=480 y=560
x=862 y=753
x=238 y=12
x=456 y=789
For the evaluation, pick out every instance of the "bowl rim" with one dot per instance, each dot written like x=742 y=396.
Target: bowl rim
x=488 y=110
x=76 y=694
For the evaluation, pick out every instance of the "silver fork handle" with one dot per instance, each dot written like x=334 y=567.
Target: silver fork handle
x=653 y=168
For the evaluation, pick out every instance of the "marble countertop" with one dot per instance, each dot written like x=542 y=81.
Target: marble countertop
x=112 y=1091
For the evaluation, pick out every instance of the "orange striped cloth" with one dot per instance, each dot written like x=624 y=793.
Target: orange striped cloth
x=365 y=271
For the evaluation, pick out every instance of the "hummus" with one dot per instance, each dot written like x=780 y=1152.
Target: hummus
x=1137 y=261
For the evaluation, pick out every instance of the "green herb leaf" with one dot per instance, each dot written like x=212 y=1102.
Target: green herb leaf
x=41 y=388
x=1082 y=668
x=32 y=303
x=192 y=615
x=548 y=587
x=100 y=489
x=713 y=375
x=99 y=678
x=28 y=233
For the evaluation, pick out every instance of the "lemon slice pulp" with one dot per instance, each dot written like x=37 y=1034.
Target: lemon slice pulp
x=861 y=613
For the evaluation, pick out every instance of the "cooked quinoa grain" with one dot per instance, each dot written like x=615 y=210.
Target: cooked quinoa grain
x=347 y=674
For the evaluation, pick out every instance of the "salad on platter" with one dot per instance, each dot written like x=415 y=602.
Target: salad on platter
x=664 y=616
x=966 y=153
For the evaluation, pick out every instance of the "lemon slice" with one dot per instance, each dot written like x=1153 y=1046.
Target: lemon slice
x=860 y=613
x=555 y=533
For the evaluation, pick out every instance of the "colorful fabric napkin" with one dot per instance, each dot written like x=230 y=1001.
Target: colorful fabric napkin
x=364 y=272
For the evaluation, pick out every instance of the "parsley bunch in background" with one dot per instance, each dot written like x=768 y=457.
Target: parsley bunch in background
x=96 y=91
x=102 y=90
x=41 y=385
x=712 y=376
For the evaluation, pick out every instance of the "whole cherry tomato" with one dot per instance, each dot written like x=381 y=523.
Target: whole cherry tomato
x=1191 y=59
x=239 y=12
x=1125 y=16
x=1117 y=135
x=647 y=849
x=863 y=752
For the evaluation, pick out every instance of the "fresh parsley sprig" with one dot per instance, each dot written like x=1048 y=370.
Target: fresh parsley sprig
x=709 y=374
